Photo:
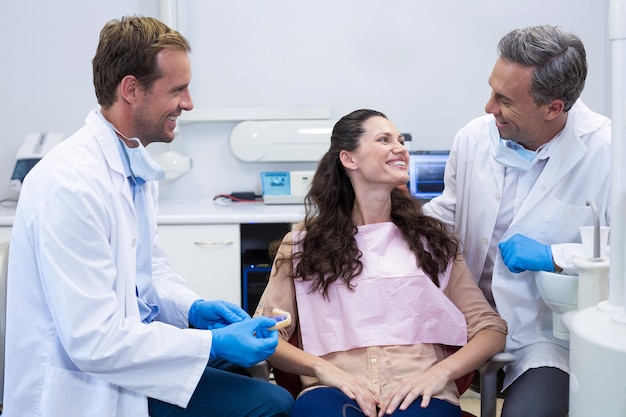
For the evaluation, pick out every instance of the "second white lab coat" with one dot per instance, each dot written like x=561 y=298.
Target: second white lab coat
x=76 y=345
x=552 y=212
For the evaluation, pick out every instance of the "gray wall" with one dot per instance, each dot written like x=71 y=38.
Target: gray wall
x=424 y=63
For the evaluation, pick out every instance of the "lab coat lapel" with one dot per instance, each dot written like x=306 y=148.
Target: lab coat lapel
x=126 y=221
x=107 y=141
x=568 y=151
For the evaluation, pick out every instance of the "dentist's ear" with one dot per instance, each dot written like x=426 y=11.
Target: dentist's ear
x=128 y=88
x=347 y=160
x=554 y=109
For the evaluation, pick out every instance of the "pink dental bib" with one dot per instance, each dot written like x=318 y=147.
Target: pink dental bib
x=393 y=303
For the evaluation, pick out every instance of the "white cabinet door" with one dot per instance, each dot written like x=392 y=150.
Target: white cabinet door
x=207 y=256
x=5 y=233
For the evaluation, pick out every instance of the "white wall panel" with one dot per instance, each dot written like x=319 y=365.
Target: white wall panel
x=424 y=63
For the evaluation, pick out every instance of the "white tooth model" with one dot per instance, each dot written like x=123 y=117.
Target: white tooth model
x=598 y=333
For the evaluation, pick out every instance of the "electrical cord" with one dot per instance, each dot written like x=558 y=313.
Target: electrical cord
x=243 y=197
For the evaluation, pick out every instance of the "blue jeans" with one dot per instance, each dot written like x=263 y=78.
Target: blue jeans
x=331 y=402
x=226 y=393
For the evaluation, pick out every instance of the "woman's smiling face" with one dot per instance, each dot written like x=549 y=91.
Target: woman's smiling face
x=381 y=156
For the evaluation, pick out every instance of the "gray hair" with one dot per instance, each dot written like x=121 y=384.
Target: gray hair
x=559 y=60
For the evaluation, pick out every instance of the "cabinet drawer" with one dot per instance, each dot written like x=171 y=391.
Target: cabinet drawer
x=207 y=257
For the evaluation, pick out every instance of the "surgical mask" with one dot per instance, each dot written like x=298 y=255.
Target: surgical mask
x=141 y=163
x=508 y=153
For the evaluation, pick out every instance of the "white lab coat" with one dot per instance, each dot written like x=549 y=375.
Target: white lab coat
x=552 y=212
x=76 y=345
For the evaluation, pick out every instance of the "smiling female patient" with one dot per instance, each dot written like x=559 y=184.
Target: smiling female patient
x=375 y=288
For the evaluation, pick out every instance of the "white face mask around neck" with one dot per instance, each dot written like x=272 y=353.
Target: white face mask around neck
x=141 y=163
x=514 y=156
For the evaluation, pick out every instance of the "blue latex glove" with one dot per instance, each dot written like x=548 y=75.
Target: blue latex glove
x=524 y=254
x=208 y=315
x=245 y=343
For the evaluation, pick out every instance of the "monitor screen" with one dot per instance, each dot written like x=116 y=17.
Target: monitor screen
x=426 y=170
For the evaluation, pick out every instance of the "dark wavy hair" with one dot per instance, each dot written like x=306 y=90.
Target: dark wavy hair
x=329 y=250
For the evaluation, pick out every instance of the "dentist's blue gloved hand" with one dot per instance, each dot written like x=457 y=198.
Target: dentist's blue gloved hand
x=215 y=314
x=524 y=254
x=245 y=343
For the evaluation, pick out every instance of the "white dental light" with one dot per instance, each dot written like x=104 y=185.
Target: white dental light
x=281 y=140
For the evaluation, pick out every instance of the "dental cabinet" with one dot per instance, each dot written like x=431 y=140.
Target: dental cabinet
x=210 y=245
x=206 y=256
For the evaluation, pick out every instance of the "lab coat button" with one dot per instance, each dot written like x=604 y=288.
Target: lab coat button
x=485 y=241
x=498 y=196
x=134 y=242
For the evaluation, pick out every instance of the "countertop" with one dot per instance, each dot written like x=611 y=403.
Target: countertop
x=208 y=212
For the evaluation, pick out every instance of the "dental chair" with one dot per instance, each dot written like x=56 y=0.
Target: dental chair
x=487 y=372
x=4 y=264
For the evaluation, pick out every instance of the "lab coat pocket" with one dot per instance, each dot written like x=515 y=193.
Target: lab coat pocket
x=560 y=221
x=74 y=393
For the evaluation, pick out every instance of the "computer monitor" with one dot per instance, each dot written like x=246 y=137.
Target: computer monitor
x=426 y=170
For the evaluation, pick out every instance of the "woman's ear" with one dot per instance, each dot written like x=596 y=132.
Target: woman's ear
x=347 y=160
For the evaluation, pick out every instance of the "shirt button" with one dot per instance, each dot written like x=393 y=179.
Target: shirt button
x=375 y=381
x=373 y=360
